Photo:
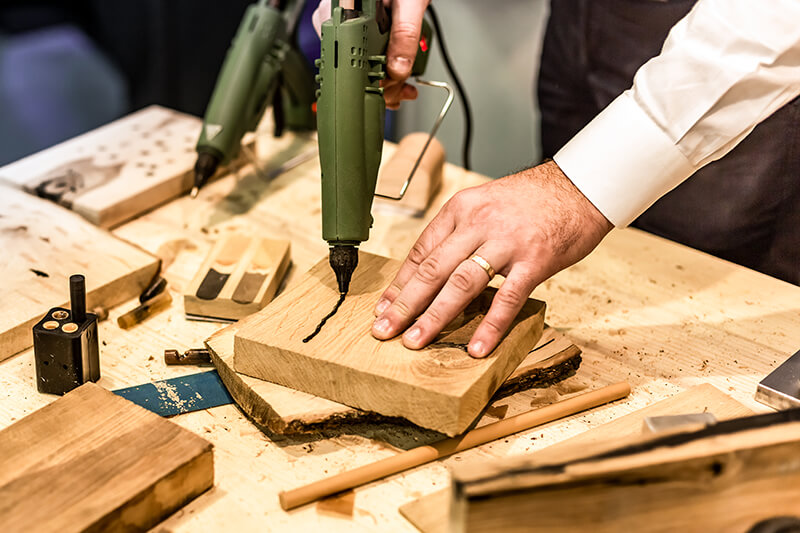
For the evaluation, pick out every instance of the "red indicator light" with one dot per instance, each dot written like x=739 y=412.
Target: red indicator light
x=314 y=107
x=423 y=44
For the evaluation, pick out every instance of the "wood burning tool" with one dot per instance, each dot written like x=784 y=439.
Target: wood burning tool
x=781 y=388
x=65 y=344
x=350 y=123
x=262 y=66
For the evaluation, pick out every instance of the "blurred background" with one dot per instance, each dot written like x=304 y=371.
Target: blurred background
x=68 y=67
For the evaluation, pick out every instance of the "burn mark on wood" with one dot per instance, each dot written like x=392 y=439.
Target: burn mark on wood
x=326 y=318
x=212 y=285
x=40 y=273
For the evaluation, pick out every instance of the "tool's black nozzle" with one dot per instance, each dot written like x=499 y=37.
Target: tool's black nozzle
x=343 y=260
x=77 y=298
x=204 y=168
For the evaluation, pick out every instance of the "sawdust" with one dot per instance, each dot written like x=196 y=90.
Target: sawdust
x=170 y=396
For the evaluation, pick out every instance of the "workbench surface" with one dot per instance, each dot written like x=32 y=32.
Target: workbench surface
x=660 y=315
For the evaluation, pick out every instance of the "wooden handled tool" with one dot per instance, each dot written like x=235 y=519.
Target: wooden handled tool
x=425 y=454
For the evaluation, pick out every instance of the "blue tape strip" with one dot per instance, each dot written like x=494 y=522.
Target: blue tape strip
x=175 y=396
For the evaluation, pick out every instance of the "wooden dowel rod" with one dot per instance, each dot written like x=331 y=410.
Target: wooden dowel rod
x=424 y=454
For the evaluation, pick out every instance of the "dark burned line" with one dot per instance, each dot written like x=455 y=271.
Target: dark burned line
x=328 y=316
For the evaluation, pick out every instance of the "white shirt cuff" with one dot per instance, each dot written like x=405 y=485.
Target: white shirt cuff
x=623 y=162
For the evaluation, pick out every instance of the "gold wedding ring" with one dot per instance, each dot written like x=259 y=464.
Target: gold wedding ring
x=484 y=264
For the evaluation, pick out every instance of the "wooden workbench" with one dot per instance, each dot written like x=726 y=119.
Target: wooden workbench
x=660 y=315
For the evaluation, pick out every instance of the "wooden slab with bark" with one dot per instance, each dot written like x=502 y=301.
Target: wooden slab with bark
x=431 y=513
x=440 y=387
x=287 y=411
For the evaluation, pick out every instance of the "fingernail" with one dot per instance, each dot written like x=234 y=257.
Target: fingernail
x=382 y=305
x=401 y=65
x=413 y=334
x=477 y=349
x=381 y=326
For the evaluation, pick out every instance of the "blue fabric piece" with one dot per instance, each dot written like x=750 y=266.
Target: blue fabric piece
x=176 y=396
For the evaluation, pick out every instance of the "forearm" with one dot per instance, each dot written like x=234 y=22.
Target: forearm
x=724 y=68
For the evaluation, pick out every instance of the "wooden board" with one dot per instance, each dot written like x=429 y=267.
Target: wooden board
x=440 y=387
x=92 y=461
x=430 y=514
x=681 y=318
x=115 y=172
x=728 y=477
x=239 y=277
x=283 y=410
x=426 y=181
x=43 y=244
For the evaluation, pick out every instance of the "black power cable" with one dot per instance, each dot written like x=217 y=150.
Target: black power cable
x=466 y=147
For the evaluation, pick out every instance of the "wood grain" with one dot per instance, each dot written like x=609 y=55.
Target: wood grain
x=426 y=182
x=287 y=411
x=259 y=264
x=92 y=461
x=440 y=387
x=115 y=172
x=43 y=244
x=726 y=478
x=430 y=514
x=658 y=314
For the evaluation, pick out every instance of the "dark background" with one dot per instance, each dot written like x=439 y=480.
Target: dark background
x=68 y=67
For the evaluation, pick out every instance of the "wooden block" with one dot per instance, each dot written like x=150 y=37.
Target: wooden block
x=92 y=461
x=118 y=171
x=427 y=178
x=239 y=277
x=440 y=387
x=728 y=477
x=430 y=514
x=284 y=410
x=44 y=244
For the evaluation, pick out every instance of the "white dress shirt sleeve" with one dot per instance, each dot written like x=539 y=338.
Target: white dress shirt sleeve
x=724 y=68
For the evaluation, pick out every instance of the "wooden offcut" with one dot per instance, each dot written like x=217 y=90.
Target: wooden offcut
x=92 y=461
x=114 y=173
x=728 y=477
x=439 y=387
x=239 y=277
x=283 y=410
x=43 y=245
x=430 y=514
x=426 y=180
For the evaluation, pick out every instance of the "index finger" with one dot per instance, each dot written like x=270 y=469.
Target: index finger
x=434 y=234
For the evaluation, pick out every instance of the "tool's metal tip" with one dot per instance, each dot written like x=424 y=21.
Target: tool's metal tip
x=194 y=192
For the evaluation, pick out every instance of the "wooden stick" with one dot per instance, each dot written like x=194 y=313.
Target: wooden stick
x=425 y=454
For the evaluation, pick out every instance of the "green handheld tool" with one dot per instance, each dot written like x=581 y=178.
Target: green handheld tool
x=350 y=121
x=261 y=67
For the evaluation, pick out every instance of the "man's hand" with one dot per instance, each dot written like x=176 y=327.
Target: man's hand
x=403 y=43
x=528 y=226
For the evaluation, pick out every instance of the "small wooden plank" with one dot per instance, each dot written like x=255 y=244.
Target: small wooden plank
x=728 y=477
x=92 y=461
x=238 y=278
x=430 y=513
x=118 y=171
x=43 y=244
x=283 y=410
x=439 y=387
x=426 y=181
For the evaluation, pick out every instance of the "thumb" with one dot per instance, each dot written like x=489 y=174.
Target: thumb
x=404 y=36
